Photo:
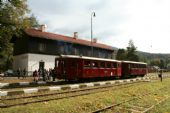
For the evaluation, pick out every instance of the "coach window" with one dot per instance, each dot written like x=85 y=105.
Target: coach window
x=134 y=65
x=144 y=66
x=94 y=64
x=114 y=65
x=102 y=64
x=118 y=65
x=139 y=66
x=86 y=63
x=108 y=65
x=62 y=63
x=129 y=66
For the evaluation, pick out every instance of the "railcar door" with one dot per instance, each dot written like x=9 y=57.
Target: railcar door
x=94 y=69
x=125 y=69
x=86 y=69
x=57 y=68
x=73 y=69
x=119 y=70
x=62 y=69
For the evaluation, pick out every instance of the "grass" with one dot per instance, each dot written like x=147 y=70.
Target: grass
x=88 y=103
x=164 y=107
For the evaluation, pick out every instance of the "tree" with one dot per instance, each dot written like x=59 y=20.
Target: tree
x=12 y=19
x=131 y=52
x=31 y=21
x=162 y=64
x=121 y=54
x=155 y=62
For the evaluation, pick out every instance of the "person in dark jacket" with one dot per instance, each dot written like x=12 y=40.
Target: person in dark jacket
x=24 y=73
x=53 y=74
x=35 y=75
x=160 y=75
x=19 y=73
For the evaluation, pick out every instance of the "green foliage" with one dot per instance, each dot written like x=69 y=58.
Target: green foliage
x=153 y=59
x=161 y=60
x=12 y=19
x=131 y=52
x=155 y=62
x=121 y=54
x=128 y=54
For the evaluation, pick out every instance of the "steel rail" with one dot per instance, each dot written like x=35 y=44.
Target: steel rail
x=101 y=89
x=125 y=101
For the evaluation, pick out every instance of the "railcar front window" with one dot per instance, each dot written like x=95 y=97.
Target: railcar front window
x=56 y=63
x=129 y=66
x=63 y=64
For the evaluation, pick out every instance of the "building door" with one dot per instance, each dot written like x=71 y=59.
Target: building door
x=41 y=69
x=41 y=65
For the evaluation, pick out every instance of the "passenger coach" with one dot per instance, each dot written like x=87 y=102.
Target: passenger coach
x=133 y=69
x=72 y=67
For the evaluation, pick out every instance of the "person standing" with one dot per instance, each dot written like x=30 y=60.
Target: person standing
x=160 y=75
x=43 y=75
x=53 y=74
x=35 y=76
x=24 y=73
x=19 y=73
x=50 y=74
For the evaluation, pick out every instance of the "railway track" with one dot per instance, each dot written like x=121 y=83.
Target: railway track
x=128 y=105
x=23 y=100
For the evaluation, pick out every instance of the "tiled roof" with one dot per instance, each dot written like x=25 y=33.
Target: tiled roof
x=47 y=35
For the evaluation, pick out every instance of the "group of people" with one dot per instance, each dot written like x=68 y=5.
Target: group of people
x=21 y=73
x=47 y=75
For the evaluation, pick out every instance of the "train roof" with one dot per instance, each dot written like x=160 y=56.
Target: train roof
x=100 y=59
x=133 y=62
x=89 y=58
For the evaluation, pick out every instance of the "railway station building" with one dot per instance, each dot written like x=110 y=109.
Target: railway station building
x=37 y=46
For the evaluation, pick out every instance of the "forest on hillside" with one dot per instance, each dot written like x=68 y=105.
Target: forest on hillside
x=155 y=59
x=152 y=59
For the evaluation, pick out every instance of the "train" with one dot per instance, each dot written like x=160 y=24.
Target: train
x=72 y=67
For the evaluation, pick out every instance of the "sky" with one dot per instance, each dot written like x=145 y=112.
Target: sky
x=146 y=22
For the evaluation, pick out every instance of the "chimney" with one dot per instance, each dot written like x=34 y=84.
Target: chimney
x=75 y=35
x=42 y=28
x=94 y=40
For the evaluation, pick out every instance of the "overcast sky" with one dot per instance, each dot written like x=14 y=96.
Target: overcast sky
x=146 y=22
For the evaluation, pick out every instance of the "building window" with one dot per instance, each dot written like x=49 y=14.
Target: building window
x=42 y=47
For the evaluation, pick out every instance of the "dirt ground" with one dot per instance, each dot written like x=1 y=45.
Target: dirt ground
x=15 y=79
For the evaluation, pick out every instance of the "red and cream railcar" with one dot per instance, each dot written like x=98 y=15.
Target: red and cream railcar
x=133 y=69
x=72 y=67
